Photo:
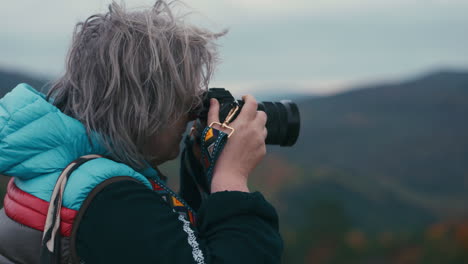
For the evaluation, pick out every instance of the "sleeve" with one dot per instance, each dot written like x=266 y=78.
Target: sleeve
x=128 y=223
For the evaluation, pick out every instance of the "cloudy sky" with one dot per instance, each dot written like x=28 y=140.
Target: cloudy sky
x=312 y=46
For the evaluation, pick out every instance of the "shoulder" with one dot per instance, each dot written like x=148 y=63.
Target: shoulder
x=119 y=192
x=121 y=222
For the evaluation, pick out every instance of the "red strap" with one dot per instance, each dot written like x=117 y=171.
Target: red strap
x=31 y=211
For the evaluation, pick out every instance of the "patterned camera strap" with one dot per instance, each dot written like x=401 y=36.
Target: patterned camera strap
x=175 y=201
x=212 y=144
x=50 y=246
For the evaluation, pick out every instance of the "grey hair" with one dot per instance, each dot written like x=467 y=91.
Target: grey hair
x=130 y=74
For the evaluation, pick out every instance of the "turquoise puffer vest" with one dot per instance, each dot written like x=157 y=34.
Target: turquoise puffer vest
x=37 y=142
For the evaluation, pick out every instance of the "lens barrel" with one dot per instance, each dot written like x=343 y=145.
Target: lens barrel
x=283 y=123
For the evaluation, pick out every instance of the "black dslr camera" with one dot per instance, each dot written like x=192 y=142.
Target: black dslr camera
x=283 y=121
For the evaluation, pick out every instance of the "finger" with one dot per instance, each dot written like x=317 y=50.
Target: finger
x=249 y=110
x=265 y=132
x=262 y=116
x=213 y=113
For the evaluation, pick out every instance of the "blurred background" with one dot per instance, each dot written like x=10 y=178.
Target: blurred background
x=380 y=171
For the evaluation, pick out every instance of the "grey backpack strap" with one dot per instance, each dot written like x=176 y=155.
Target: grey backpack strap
x=75 y=259
x=50 y=245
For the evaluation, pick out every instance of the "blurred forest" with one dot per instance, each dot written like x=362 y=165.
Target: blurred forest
x=378 y=175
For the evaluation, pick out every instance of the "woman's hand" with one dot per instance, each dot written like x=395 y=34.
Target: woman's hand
x=244 y=149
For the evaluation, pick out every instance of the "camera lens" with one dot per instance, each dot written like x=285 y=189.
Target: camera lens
x=283 y=122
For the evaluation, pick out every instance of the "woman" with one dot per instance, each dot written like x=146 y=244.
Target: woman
x=84 y=188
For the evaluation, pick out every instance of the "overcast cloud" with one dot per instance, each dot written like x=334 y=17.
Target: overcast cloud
x=311 y=46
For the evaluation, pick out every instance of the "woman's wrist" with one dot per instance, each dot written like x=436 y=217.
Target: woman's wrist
x=229 y=182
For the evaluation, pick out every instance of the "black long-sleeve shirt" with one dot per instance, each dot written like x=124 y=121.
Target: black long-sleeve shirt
x=128 y=223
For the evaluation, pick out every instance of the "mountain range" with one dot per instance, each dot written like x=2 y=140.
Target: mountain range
x=9 y=79
x=395 y=156
x=390 y=157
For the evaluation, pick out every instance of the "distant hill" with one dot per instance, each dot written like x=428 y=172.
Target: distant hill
x=277 y=96
x=9 y=79
x=388 y=159
x=398 y=149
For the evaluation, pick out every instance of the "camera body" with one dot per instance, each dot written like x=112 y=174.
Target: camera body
x=283 y=123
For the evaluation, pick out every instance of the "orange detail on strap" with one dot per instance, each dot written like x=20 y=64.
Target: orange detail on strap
x=191 y=218
x=176 y=202
x=209 y=134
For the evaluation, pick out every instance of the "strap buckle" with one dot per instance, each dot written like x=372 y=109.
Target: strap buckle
x=226 y=122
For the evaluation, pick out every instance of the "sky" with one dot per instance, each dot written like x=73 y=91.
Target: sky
x=298 y=46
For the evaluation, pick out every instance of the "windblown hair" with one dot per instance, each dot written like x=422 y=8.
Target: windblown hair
x=131 y=73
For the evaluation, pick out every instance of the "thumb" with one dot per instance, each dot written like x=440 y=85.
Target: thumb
x=213 y=113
